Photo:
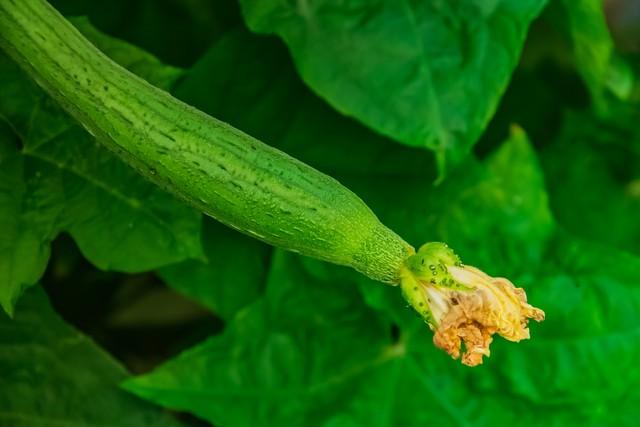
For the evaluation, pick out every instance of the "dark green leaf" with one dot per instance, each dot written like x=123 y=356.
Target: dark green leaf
x=29 y=211
x=129 y=56
x=596 y=193
x=311 y=354
x=427 y=74
x=51 y=375
x=176 y=31
x=275 y=364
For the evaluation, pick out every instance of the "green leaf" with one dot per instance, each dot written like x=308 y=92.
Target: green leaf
x=596 y=195
x=52 y=375
x=28 y=215
x=586 y=346
x=64 y=181
x=175 y=31
x=231 y=278
x=601 y=67
x=274 y=364
x=129 y=56
x=428 y=74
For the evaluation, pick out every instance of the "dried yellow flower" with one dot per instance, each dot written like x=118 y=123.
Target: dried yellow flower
x=463 y=305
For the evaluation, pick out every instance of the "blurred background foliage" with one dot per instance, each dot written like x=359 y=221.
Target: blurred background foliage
x=507 y=128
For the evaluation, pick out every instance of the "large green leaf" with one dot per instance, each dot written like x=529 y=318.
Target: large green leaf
x=426 y=73
x=62 y=180
x=273 y=362
x=52 y=375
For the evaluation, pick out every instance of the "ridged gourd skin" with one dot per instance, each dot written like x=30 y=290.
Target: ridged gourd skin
x=214 y=167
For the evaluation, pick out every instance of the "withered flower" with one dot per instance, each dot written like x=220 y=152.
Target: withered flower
x=463 y=305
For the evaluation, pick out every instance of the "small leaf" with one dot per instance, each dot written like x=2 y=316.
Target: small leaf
x=428 y=74
x=29 y=210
